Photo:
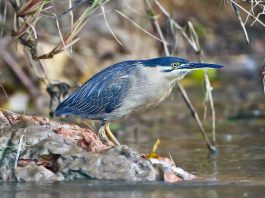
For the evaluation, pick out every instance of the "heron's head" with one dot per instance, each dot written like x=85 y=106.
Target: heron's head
x=176 y=68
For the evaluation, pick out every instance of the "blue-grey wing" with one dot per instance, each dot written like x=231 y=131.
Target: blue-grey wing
x=102 y=94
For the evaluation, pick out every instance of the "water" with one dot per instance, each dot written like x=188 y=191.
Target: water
x=200 y=189
x=237 y=170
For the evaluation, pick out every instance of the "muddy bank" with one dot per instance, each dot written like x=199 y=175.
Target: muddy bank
x=36 y=149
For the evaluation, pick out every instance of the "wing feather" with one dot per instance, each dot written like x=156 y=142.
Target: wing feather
x=100 y=95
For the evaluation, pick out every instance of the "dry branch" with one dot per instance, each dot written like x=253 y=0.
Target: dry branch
x=193 y=40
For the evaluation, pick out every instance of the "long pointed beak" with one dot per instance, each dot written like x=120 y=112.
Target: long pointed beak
x=193 y=66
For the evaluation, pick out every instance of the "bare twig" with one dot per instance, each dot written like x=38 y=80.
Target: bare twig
x=264 y=83
x=170 y=157
x=3 y=16
x=70 y=9
x=71 y=21
x=210 y=98
x=263 y=73
x=12 y=63
x=208 y=93
x=250 y=13
x=194 y=42
x=3 y=89
x=196 y=117
x=138 y=26
x=262 y=7
x=240 y=21
x=107 y=24
x=59 y=29
x=158 y=28
x=19 y=148
x=70 y=38
x=254 y=9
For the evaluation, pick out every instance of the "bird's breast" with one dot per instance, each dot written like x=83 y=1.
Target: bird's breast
x=148 y=88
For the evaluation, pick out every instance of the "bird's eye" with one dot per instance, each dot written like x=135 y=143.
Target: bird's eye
x=175 y=65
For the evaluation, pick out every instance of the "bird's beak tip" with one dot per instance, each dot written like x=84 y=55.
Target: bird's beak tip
x=192 y=65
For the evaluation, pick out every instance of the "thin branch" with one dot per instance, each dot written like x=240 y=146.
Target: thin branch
x=196 y=116
x=247 y=12
x=259 y=14
x=174 y=25
x=19 y=148
x=264 y=83
x=240 y=21
x=161 y=36
x=3 y=89
x=20 y=73
x=210 y=98
x=70 y=39
x=70 y=9
x=194 y=42
x=3 y=17
x=71 y=21
x=59 y=29
x=138 y=26
x=263 y=73
x=107 y=24
x=195 y=39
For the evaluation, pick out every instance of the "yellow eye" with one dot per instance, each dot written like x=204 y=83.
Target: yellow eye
x=175 y=65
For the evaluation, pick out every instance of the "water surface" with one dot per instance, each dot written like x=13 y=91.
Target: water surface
x=237 y=170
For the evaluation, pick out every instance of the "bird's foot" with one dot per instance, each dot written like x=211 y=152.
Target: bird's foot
x=110 y=135
x=103 y=137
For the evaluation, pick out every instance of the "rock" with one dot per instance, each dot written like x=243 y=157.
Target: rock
x=7 y=154
x=35 y=173
x=3 y=121
x=168 y=172
x=119 y=163
x=37 y=149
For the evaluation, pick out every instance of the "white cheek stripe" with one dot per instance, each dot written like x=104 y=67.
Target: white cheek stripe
x=164 y=68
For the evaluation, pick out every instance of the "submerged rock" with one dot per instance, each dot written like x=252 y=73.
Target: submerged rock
x=35 y=148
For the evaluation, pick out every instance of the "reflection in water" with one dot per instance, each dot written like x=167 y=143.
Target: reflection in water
x=202 y=189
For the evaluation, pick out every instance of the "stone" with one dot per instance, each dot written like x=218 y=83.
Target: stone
x=3 y=121
x=35 y=173
x=111 y=164
x=38 y=149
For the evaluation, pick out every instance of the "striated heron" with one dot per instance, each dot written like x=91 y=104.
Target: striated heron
x=125 y=87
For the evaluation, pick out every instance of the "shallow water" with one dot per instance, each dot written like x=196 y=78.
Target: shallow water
x=237 y=170
x=200 y=189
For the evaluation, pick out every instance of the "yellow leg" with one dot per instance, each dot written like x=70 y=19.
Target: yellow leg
x=110 y=135
x=102 y=135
